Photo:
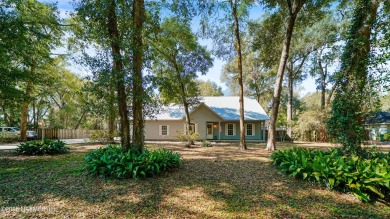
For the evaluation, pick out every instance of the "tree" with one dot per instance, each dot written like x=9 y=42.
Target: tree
x=300 y=50
x=386 y=102
x=326 y=34
x=209 y=88
x=230 y=15
x=138 y=13
x=64 y=96
x=38 y=31
x=292 y=9
x=100 y=23
x=258 y=76
x=347 y=113
x=178 y=58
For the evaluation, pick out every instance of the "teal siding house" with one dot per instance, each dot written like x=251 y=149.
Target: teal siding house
x=215 y=119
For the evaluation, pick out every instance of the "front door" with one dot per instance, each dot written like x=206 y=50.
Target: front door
x=210 y=131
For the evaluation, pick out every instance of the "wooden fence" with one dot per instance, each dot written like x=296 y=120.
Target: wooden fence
x=63 y=133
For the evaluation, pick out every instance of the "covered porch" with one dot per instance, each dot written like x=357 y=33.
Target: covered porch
x=230 y=130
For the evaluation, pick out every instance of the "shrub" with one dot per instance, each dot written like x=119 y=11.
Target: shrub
x=206 y=143
x=111 y=161
x=368 y=176
x=42 y=147
x=9 y=139
x=386 y=137
x=193 y=136
x=102 y=136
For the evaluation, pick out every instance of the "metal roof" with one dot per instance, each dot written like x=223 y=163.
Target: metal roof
x=227 y=107
x=379 y=118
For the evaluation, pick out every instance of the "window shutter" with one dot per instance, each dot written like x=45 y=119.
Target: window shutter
x=160 y=130
x=234 y=129
x=226 y=129
x=253 y=129
x=167 y=129
x=196 y=128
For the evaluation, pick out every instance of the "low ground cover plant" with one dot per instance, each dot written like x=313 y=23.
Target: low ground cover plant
x=206 y=144
x=45 y=146
x=367 y=176
x=111 y=161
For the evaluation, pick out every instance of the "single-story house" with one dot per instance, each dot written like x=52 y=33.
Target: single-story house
x=215 y=118
x=378 y=125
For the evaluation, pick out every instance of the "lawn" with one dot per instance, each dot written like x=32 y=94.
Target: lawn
x=215 y=182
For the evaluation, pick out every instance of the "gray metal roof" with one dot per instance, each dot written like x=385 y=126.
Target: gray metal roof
x=227 y=107
x=379 y=118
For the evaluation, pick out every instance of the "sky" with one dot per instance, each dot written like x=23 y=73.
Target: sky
x=307 y=86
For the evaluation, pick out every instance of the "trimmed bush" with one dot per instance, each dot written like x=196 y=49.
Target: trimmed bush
x=367 y=176
x=206 y=144
x=111 y=161
x=193 y=136
x=386 y=137
x=42 y=147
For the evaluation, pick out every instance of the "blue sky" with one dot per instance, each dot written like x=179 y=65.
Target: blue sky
x=213 y=74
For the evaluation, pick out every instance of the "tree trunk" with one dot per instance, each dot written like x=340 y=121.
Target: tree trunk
x=119 y=76
x=328 y=100
x=81 y=119
x=323 y=91
x=188 y=120
x=37 y=118
x=323 y=81
x=25 y=104
x=290 y=99
x=350 y=94
x=33 y=115
x=239 y=65
x=111 y=113
x=271 y=142
x=138 y=92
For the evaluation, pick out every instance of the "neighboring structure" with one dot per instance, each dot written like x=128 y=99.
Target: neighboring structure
x=378 y=125
x=216 y=118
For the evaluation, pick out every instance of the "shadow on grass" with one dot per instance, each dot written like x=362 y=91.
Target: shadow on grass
x=217 y=182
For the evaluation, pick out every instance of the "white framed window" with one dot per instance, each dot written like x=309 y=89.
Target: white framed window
x=164 y=130
x=250 y=129
x=230 y=129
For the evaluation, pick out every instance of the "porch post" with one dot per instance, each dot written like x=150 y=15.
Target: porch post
x=263 y=130
x=219 y=130
x=260 y=132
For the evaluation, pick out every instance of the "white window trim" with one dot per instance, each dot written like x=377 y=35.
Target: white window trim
x=253 y=129
x=226 y=129
x=160 y=130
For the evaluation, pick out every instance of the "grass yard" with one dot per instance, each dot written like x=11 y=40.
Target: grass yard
x=215 y=182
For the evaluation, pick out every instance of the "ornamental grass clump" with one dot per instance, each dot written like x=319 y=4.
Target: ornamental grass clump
x=111 y=161
x=367 y=176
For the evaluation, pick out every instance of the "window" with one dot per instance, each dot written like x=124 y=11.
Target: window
x=191 y=128
x=230 y=129
x=164 y=130
x=250 y=129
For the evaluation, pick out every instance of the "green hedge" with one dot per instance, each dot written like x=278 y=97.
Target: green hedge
x=111 y=161
x=42 y=147
x=367 y=176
